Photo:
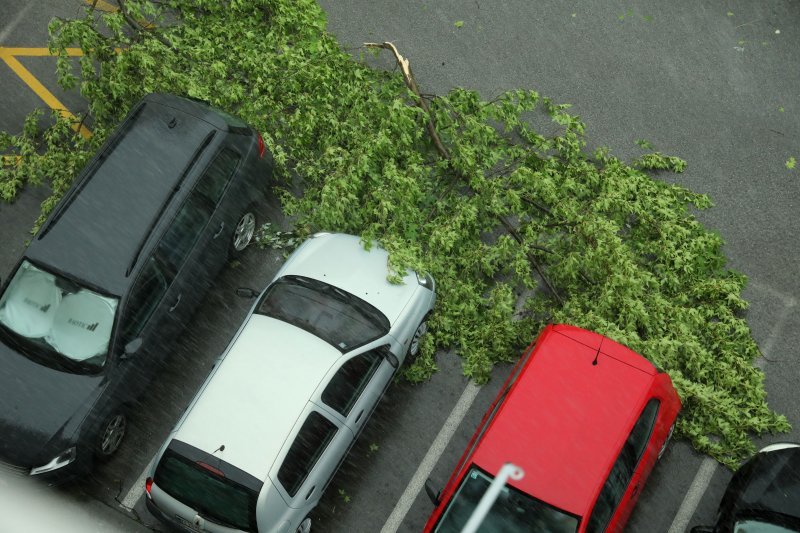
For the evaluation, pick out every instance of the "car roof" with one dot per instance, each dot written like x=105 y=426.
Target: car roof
x=566 y=419
x=96 y=232
x=363 y=274
x=254 y=398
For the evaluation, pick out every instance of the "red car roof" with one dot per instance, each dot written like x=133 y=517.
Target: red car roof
x=566 y=418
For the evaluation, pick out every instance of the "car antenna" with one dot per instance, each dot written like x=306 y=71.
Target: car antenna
x=594 y=363
x=220 y=449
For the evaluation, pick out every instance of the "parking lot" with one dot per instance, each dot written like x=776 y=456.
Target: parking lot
x=716 y=84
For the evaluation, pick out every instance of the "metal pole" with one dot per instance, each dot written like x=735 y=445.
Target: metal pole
x=508 y=470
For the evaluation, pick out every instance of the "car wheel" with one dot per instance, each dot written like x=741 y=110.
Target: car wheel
x=111 y=434
x=669 y=437
x=244 y=231
x=416 y=341
x=305 y=526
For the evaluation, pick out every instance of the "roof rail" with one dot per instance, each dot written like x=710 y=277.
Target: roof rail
x=167 y=200
x=94 y=164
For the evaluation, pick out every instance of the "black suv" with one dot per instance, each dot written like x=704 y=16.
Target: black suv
x=113 y=276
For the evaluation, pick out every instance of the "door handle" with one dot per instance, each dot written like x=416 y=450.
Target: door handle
x=219 y=231
x=310 y=492
x=175 y=305
x=635 y=491
x=358 y=417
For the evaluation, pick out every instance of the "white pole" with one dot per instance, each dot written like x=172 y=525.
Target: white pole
x=508 y=470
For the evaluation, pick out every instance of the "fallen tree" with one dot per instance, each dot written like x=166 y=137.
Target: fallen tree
x=467 y=189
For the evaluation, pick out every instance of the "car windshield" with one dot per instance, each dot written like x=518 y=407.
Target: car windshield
x=512 y=511
x=336 y=316
x=56 y=320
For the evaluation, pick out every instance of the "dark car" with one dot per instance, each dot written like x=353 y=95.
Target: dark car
x=113 y=276
x=764 y=494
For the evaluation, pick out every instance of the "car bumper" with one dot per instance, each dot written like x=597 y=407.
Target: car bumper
x=164 y=518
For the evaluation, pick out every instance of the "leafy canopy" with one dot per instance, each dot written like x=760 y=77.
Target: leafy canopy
x=518 y=227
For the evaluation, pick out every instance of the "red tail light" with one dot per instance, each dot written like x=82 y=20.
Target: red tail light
x=148 y=484
x=260 y=145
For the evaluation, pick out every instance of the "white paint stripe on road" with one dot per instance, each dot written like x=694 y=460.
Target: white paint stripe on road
x=693 y=496
x=434 y=452
x=6 y=31
x=137 y=490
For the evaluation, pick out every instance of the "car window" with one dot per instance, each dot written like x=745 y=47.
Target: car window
x=613 y=490
x=186 y=227
x=148 y=290
x=214 y=180
x=351 y=379
x=57 y=318
x=640 y=434
x=310 y=443
x=341 y=319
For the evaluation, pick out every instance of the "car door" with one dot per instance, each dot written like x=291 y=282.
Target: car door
x=311 y=459
x=148 y=319
x=624 y=483
x=227 y=201
x=357 y=383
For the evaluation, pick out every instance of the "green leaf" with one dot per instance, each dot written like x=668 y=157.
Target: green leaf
x=458 y=23
x=790 y=163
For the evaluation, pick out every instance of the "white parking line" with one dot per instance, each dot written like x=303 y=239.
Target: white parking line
x=434 y=452
x=6 y=31
x=137 y=490
x=693 y=495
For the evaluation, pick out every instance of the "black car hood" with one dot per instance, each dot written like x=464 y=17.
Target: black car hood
x=40 y=406
x=773 y=484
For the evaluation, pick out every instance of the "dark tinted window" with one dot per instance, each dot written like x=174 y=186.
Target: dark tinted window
x=308 y=446
x=350 y=380
x=613 y=490
x=146 y=293
x=186 y=227
x=202 y=488
x=640 y=434
x=336 y=316
x=216 y=177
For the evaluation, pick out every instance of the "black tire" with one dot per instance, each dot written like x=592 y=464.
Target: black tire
x=416 y=340
x=305 y=526
x=243 y=232
x=110 y=435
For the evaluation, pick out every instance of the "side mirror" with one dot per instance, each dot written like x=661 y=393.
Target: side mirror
x=132 y=347
x=703 y=529
x=432 y=493
x=246 y=292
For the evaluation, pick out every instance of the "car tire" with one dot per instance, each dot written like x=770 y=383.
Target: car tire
x=416 y=341
x=305 y=526
x=244 y=232
x=110 y=435
x=666 y=441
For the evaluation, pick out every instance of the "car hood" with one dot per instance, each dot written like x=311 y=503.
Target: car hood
x=40 y=407
x=773 y=484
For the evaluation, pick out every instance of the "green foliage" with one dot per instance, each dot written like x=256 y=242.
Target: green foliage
x=517 y=227
x=268 y=236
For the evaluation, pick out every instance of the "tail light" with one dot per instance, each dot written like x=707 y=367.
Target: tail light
x=261 y=147
x=148 y=484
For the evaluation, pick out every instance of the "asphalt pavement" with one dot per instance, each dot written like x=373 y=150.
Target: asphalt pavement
x=716 y=83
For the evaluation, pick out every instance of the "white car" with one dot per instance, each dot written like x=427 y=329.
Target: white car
x=267 y=431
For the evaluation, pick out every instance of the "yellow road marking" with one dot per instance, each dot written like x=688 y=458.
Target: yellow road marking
x=37 y=52
x=7 y=55
x=111 y=8
x=102 y=5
